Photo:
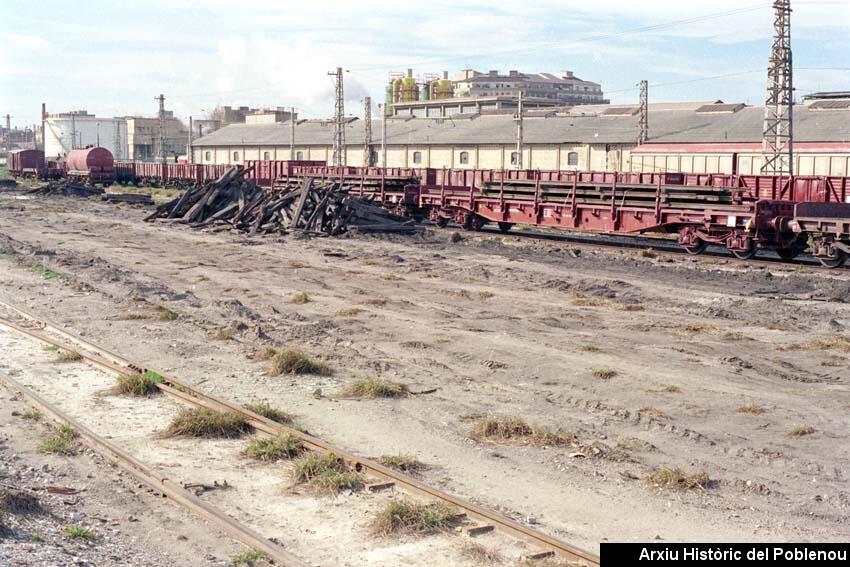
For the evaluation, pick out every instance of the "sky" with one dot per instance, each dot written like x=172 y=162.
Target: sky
x=113 y=58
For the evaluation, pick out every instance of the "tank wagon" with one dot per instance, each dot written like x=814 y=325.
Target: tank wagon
x=93 y=165
x=26 y=163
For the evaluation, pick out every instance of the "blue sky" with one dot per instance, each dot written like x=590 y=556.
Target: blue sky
x=114 y=58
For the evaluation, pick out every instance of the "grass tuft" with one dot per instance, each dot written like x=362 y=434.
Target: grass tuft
x=63 y=441
x=43 y=271
x=249 y=558
x=52 y=348
x=407 y=517
x=69 y=356
x=648 y=253
x=801 y=431
x=300 y=298
x=590 y=348
x=290 y=361
x=351 y=312
x=486 y=295
x=33 y=415
x=517 y=430
x=266 y=354
x=165 y=314
x=274 y=414
x=839 y=343
x=222 y=334
x=580 y=300
x=653 y=412
x=207 y=423
x=376 y=388
x=754 y=409
x=79 y=532
x=404 y=463
x=275 y=448
x=325 y=473
x=677 y=479
x=480 y=555
x=139 y=385
x=604 y=373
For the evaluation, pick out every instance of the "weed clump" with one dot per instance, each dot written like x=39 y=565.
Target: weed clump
x=79 y=532
x=290 y=361
x=677 y=479
x=376 y=388
x=248 y=558
x=480 y=555
x=274 y=414
x=801 y=431
x=165 y=314
x=404 y=463
x=63 y=441
x=32 y=415
x=325 y=473
x=404 y=516
x=266 y=354
x=352 y=312
x=275 y=448
x=486 y=295
x=207 y=423
x=516 y=430
x=604 y=373
x=299 y=298
x=754 y=409
x=139 y=385
x=222 y=334
x=69 y=356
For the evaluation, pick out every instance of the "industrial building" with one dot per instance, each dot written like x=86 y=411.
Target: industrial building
x=589 y=137
x=473 y=91
x=143 y=137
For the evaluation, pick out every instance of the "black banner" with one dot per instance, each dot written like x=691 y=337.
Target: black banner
x=718 y=554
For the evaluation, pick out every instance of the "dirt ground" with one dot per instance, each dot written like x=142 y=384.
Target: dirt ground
x=648 y=359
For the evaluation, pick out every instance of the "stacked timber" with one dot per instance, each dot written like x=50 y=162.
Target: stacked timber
x=320 y=207
x=67 y=188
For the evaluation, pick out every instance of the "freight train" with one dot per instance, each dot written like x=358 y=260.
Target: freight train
x=92 y=165
x=744 y=213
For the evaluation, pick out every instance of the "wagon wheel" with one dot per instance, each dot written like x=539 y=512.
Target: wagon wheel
x=442 y=222
x=505 y=226
x=838 y=258
x=747 y=254
x=788 y=254
x=698 y=248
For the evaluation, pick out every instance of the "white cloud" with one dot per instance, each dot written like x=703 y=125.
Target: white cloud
x=22 y=41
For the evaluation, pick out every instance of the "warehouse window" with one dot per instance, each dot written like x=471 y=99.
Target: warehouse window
x=299 y=156
x=464 y=157
x=417 y=157
x=207 y=156
x=235 y=156
x=572 y=158
x=267 y=156
x=514 y=158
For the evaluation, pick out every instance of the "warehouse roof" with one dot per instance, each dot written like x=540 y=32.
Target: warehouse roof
x=591 y=124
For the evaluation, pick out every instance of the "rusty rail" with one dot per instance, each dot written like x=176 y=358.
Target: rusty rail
x=486 y=519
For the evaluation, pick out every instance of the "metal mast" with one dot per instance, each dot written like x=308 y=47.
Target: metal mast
x=43 y=118
x=519 y=133
x=292 y=134
x=339 y=158
x=8 y=134
x=117 y=141
x=161 y=99
x=643 y=134
x=190 y=158
x=383 y=110
x=778 y=141
x=367 y=129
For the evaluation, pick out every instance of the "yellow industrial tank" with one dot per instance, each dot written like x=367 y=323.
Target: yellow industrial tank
x=409 y=90
x=445 y=89
x=397 y=90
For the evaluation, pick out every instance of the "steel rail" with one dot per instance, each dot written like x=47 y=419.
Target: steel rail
x=181 y=390
x=157 y=482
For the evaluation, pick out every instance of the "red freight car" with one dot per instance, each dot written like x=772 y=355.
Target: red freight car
x=26 y=163
x=92 y=164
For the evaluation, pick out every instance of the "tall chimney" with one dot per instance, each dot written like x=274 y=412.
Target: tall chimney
x=445 y=74
x=410 y=72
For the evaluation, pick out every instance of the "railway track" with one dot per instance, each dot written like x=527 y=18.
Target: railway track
x=649 y=243
x=478 y=520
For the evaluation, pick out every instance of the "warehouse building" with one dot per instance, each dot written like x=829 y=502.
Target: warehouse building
x=592 y=137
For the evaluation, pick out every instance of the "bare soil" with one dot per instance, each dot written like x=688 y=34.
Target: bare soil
x=645 y=360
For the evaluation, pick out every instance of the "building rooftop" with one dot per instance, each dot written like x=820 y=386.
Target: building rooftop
x=592 y=124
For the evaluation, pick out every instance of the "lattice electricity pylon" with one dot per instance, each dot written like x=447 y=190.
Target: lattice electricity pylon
x=778 y=140
x=643 y=125
x=339 y=156
x=367 y=132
